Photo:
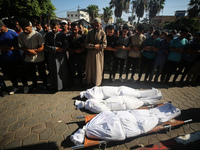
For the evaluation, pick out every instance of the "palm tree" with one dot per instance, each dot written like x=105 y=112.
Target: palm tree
x=107 y=14
x=120 y=21
x=92 y=10
x=154 y=7
x=120 y=6
x=139 y=6
x=194 y=8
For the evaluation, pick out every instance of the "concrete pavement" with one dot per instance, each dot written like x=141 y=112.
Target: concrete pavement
x=45 y=120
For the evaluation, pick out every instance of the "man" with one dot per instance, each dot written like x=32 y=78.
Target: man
x=18 y=29
x=134 y=56
x=32 y=44
x=176 y=49
x=95 y=43
x=150 y=32
x=64 y=27
x=76 y=49
x=123 y=45
x=69 y=25
x=38 y=26
x=109 y=51
x=56 y=46
x=12 y=58
x=151 y=47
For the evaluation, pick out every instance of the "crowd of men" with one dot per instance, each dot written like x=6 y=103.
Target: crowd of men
x=67 y=51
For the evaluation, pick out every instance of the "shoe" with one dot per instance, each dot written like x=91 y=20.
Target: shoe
x=26 y=89
x=15 y=89
x=113 y=79
x=121 y=79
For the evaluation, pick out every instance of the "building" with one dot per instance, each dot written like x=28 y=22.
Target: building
x=162 y=20
x=77 y=15
x=110 y=21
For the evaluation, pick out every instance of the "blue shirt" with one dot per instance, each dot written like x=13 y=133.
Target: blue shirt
x=162 y=53
x=177 y=43
x=194 y=46
x=151 y=42
x=9 y=38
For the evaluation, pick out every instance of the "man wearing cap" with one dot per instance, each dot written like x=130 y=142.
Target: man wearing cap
x=12 y=58
x=95 y=43
x=56 y=46
x=64 y=27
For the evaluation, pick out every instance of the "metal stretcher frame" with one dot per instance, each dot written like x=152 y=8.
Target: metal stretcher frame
x=167 y=125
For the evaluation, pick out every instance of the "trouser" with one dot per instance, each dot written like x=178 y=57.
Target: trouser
x=169 y=68
x=33 y=67
x=15 y=70
x=131 y=62
x=121 y=62
x=158 y=70
x=194 y=72
x=147 y=63
x=76 y=65
x=108 y=64
x=183 y=65
x=2 y=84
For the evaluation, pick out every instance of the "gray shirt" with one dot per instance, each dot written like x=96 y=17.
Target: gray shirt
x=122 y=41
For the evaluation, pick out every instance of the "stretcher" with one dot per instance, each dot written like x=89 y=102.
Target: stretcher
x=166 y=122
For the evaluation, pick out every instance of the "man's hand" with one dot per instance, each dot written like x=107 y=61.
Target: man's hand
x=31 y=52
x=97 y=46
x=59 y=49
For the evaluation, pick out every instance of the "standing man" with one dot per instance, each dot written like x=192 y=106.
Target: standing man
x=177 y=47
x=64 y=27
x=76 y=49
x=32 y=44
x=151 y=47
x=134 y=55
x=12 y=58
x=56 y=46
x=95 y=43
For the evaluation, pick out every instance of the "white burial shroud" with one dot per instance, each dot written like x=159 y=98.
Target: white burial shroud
x=115 y=103
x=104 y=92
x=115 y=126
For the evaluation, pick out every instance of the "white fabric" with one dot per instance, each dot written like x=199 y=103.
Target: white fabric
x=109 y=91
x=124 y=124
x=115 y=103
x=78 y=137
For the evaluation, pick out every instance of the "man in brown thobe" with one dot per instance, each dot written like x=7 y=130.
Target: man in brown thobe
x=95 y=43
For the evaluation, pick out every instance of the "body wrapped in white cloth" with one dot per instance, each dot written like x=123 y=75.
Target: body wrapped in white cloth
x=115 y=103
x=104 y=92
x=115 y=126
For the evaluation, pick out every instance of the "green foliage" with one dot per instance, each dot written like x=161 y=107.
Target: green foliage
x=92 y=10
x=120 y=6
x=194 y=8
x=120 y=21
x=107 y=14
x=26 y=8
x=192 y=24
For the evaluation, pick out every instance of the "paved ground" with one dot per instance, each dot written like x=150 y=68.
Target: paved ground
x=45 y=120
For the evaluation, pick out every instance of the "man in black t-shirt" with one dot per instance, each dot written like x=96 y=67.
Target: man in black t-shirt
x=109 y=51
x=76 y=50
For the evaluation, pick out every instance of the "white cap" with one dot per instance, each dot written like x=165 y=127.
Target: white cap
x=64 y=21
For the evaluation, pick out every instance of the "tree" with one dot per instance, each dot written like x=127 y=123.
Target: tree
x=139 y=6
x=120 y=21
x=120 y=6
x=154 y=7
x=26 y=8
x=107 y=14
x=92 y=10
x=194 y=8
x=192 y=24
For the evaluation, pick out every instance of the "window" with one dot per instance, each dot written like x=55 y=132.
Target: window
x=71 y=15
x=76 y=15
x=67 y=15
